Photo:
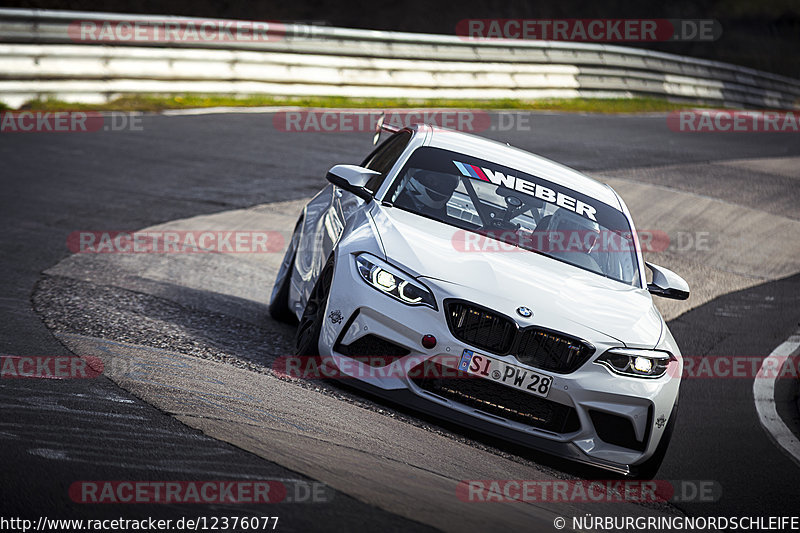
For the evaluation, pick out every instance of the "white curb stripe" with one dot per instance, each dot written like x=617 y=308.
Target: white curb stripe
x=764 y=396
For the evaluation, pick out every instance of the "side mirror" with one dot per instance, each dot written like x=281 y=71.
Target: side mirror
x=352 y=179
x=667 y=283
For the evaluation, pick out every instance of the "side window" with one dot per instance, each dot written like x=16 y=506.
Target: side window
x=383 y=158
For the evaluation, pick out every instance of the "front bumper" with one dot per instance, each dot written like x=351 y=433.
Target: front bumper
x=356 y=310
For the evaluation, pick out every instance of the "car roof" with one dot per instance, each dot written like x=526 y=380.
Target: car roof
x=510 y=156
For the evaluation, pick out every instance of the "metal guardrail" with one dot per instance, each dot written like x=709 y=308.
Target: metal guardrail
x=42 y=55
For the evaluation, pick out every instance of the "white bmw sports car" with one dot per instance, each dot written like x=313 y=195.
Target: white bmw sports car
x=491 y=287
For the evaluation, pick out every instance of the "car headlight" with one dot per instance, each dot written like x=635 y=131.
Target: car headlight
x=394 y=282
x=635 y=362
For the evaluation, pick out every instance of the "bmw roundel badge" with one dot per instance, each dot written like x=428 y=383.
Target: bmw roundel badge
x=524 y=312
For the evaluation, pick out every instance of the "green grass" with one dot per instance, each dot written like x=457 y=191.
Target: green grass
x=159 y=103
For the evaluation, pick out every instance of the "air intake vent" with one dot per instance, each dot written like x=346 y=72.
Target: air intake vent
x=498 y=400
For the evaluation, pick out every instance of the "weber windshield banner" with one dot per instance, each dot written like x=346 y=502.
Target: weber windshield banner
x=507 y=181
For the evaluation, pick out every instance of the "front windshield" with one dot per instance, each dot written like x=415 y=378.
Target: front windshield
x=522 y=211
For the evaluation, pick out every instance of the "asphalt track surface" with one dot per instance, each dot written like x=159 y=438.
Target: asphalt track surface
x=57 y=432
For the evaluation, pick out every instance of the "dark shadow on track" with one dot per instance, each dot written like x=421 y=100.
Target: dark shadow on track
x=716 y=416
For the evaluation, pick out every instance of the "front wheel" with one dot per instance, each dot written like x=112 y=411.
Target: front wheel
x=310 y=326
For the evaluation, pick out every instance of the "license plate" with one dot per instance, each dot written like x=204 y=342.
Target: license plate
x=513 y=376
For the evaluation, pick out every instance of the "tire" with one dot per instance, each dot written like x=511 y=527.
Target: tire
x=649 y=468
x=279 y=300
x=310 y=326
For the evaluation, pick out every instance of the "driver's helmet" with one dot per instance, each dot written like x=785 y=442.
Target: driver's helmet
x=572 y=232
x=431 y=189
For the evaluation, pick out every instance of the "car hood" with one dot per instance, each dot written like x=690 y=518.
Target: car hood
x=563 y=298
